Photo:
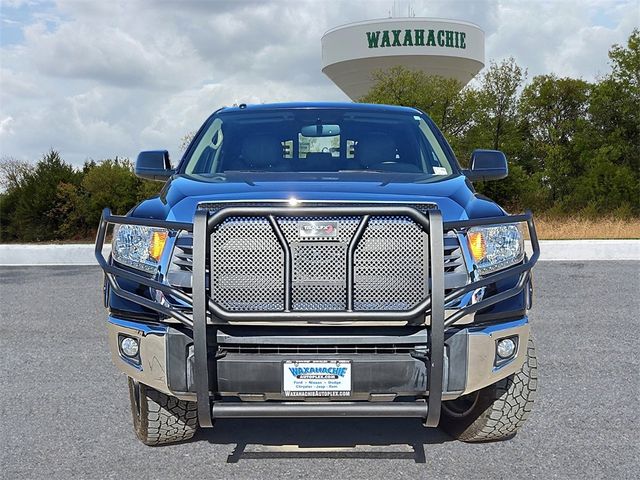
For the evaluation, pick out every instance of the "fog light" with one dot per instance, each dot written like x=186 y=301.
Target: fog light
x=506 y=348
x=129 y=346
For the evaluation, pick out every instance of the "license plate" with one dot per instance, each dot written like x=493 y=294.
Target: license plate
x=316 y=378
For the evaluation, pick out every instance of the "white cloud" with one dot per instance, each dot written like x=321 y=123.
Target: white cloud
x=5 y=126
x=17 y=85
x=561 y=37
x=95 y=79
x=108 y=54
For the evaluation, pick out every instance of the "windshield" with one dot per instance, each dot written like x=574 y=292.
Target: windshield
x=317 y=140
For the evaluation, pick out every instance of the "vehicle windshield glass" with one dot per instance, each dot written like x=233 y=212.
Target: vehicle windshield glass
x=318 y=140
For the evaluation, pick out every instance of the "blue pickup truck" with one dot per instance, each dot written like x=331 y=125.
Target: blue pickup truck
x=321 y=260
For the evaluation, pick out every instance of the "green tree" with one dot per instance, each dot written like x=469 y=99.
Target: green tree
x=610 y=142
x=13 y=173
x=553 y=113
x=605 y=188
x=625 y=63
x=148 y=189
x=110 y=183
x=615 y=104
x=495 y=127
x=499 y=102
x=35 y=216
x=70 y=205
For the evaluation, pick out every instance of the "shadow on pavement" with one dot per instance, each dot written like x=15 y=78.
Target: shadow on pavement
x=271 y=438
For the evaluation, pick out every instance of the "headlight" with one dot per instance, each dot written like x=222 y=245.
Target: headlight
x=138 y=246
x=495 y=247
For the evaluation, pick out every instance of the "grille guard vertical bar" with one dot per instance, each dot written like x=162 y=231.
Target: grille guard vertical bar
x=353 y=244
x=200 y=345
x=288 y=262
x=436 y=339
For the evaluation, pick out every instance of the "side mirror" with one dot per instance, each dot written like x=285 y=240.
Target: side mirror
x=154 y=165
x=487 y=165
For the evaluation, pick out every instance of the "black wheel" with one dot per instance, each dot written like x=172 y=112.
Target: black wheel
x=158 y=418
x=496 y=412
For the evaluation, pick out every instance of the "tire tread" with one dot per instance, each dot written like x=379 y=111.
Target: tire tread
x=163 y=418
x=508 y=408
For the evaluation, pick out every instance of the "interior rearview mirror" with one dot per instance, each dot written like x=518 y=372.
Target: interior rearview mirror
x=319 y=130
x=154 y=165
x=487 y=165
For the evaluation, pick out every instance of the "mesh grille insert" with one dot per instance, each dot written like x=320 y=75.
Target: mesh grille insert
x=319 y=267
x=247 y=266
x=391 y=264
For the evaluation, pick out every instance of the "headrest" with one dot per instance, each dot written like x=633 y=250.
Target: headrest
x=261 y=151
x=375 y=149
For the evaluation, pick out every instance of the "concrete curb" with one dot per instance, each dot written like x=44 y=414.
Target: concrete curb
x=49 y=255
x=587 y=250
x=551 y=250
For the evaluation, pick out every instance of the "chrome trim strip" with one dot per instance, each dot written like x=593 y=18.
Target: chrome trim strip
x=143 y=328
x=297 y=201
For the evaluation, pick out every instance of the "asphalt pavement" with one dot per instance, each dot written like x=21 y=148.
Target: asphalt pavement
x=65 y=409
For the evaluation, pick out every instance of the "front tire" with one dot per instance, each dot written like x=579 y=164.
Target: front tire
x=159 y=419
x=496 y=412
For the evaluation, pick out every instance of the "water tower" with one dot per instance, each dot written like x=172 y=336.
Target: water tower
x=352 y=53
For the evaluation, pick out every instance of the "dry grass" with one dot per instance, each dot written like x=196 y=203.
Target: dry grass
x=581 y=228
x=548 y=228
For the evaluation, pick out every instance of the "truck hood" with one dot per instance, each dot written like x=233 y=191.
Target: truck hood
x=454 y=195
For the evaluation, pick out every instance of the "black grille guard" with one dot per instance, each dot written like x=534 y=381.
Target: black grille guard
x=221 y=315
x=206 y=312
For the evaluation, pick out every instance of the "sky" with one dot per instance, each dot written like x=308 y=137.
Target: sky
x=96 y=79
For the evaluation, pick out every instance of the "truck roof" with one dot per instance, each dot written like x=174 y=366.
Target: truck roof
x=365 y=107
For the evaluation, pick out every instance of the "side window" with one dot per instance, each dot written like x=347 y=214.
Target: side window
x=436 y=159
x=205 y=157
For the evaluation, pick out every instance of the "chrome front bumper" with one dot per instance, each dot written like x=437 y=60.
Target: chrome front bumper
x=152 y=370
x=475 y=361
